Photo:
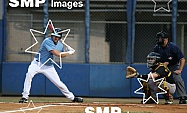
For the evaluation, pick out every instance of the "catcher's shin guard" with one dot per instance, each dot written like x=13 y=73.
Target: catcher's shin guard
x=146 y=89
x=148 y=92
x=168 y=97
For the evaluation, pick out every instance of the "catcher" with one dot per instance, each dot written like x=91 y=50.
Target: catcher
x=157 y=70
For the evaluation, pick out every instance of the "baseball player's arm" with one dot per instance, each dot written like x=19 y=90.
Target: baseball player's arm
x=166 y=63
x=60 y=54
x=182 y=62
x=154 y=75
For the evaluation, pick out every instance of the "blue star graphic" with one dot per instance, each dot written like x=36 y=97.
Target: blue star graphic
x=150 y=97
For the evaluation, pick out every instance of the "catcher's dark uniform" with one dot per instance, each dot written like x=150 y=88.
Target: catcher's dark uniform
x=168 y=84
x=163 y=72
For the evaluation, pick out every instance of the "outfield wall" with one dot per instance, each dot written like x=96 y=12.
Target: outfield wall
x=92 y=80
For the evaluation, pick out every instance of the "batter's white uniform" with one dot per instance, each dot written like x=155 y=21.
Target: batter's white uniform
x=47 y=69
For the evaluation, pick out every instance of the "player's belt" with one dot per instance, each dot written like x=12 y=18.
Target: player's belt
x=37 y=60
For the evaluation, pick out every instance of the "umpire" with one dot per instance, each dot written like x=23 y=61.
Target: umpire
x=172 y=56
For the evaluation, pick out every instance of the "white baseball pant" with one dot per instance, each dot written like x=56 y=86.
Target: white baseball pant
x=50 y=73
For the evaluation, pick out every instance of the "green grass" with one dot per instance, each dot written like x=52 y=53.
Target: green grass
x=86 y=100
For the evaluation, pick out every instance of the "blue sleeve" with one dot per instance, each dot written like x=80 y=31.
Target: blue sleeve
x=49 y=45
x=178 y=52
x=60 y=47
x=155 y=49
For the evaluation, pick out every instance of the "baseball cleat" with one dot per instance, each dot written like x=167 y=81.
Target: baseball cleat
x=168 y=102
x=182 y=100
x=78 y=99
x=23 y=100
x=150 y=101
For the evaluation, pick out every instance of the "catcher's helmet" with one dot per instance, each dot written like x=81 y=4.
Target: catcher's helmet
x=152 y=59
x=161 y=35
x=55 y=33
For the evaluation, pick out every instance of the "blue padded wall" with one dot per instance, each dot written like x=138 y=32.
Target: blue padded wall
x=93 y=80
x=108 y=81
x=76 y=78
x=184 y=75
x=1 y=51
x=13 y=77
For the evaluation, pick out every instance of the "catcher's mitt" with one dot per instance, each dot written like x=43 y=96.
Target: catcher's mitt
x=131 y=72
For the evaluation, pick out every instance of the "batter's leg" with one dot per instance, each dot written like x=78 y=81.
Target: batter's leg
x=32 y=70
x=52 y=75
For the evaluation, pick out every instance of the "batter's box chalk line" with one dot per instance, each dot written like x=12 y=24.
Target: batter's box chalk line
x=29 y=108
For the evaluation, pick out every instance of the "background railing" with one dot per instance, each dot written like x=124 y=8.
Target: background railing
x=108 y=30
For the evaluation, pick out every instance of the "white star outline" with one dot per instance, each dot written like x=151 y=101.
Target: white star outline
x=28 y=108
x=36 y=42
x=150 y=97
x=168 y=10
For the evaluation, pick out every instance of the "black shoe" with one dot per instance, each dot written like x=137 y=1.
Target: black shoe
x=182 y=100
x=78 y=99
x=23 y=100
x=150 y=101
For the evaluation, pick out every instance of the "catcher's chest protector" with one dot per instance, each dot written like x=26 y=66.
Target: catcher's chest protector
x=162 y=71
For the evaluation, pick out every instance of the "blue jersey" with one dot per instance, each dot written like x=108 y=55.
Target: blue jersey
x=171 y=53
x=45 y=48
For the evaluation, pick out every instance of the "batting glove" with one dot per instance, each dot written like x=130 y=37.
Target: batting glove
x=71 y=52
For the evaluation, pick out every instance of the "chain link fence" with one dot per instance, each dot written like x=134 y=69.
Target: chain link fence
x=108 y=30
x=150 y=21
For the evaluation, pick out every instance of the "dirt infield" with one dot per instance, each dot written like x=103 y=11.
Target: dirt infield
x=63 y=105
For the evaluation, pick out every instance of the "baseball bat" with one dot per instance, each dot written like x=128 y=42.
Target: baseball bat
x=50 y=27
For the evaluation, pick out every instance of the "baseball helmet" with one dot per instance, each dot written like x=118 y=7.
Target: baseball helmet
x=55 y=33
x=152 y=59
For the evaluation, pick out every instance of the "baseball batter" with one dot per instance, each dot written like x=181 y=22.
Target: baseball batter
x=49 y=48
